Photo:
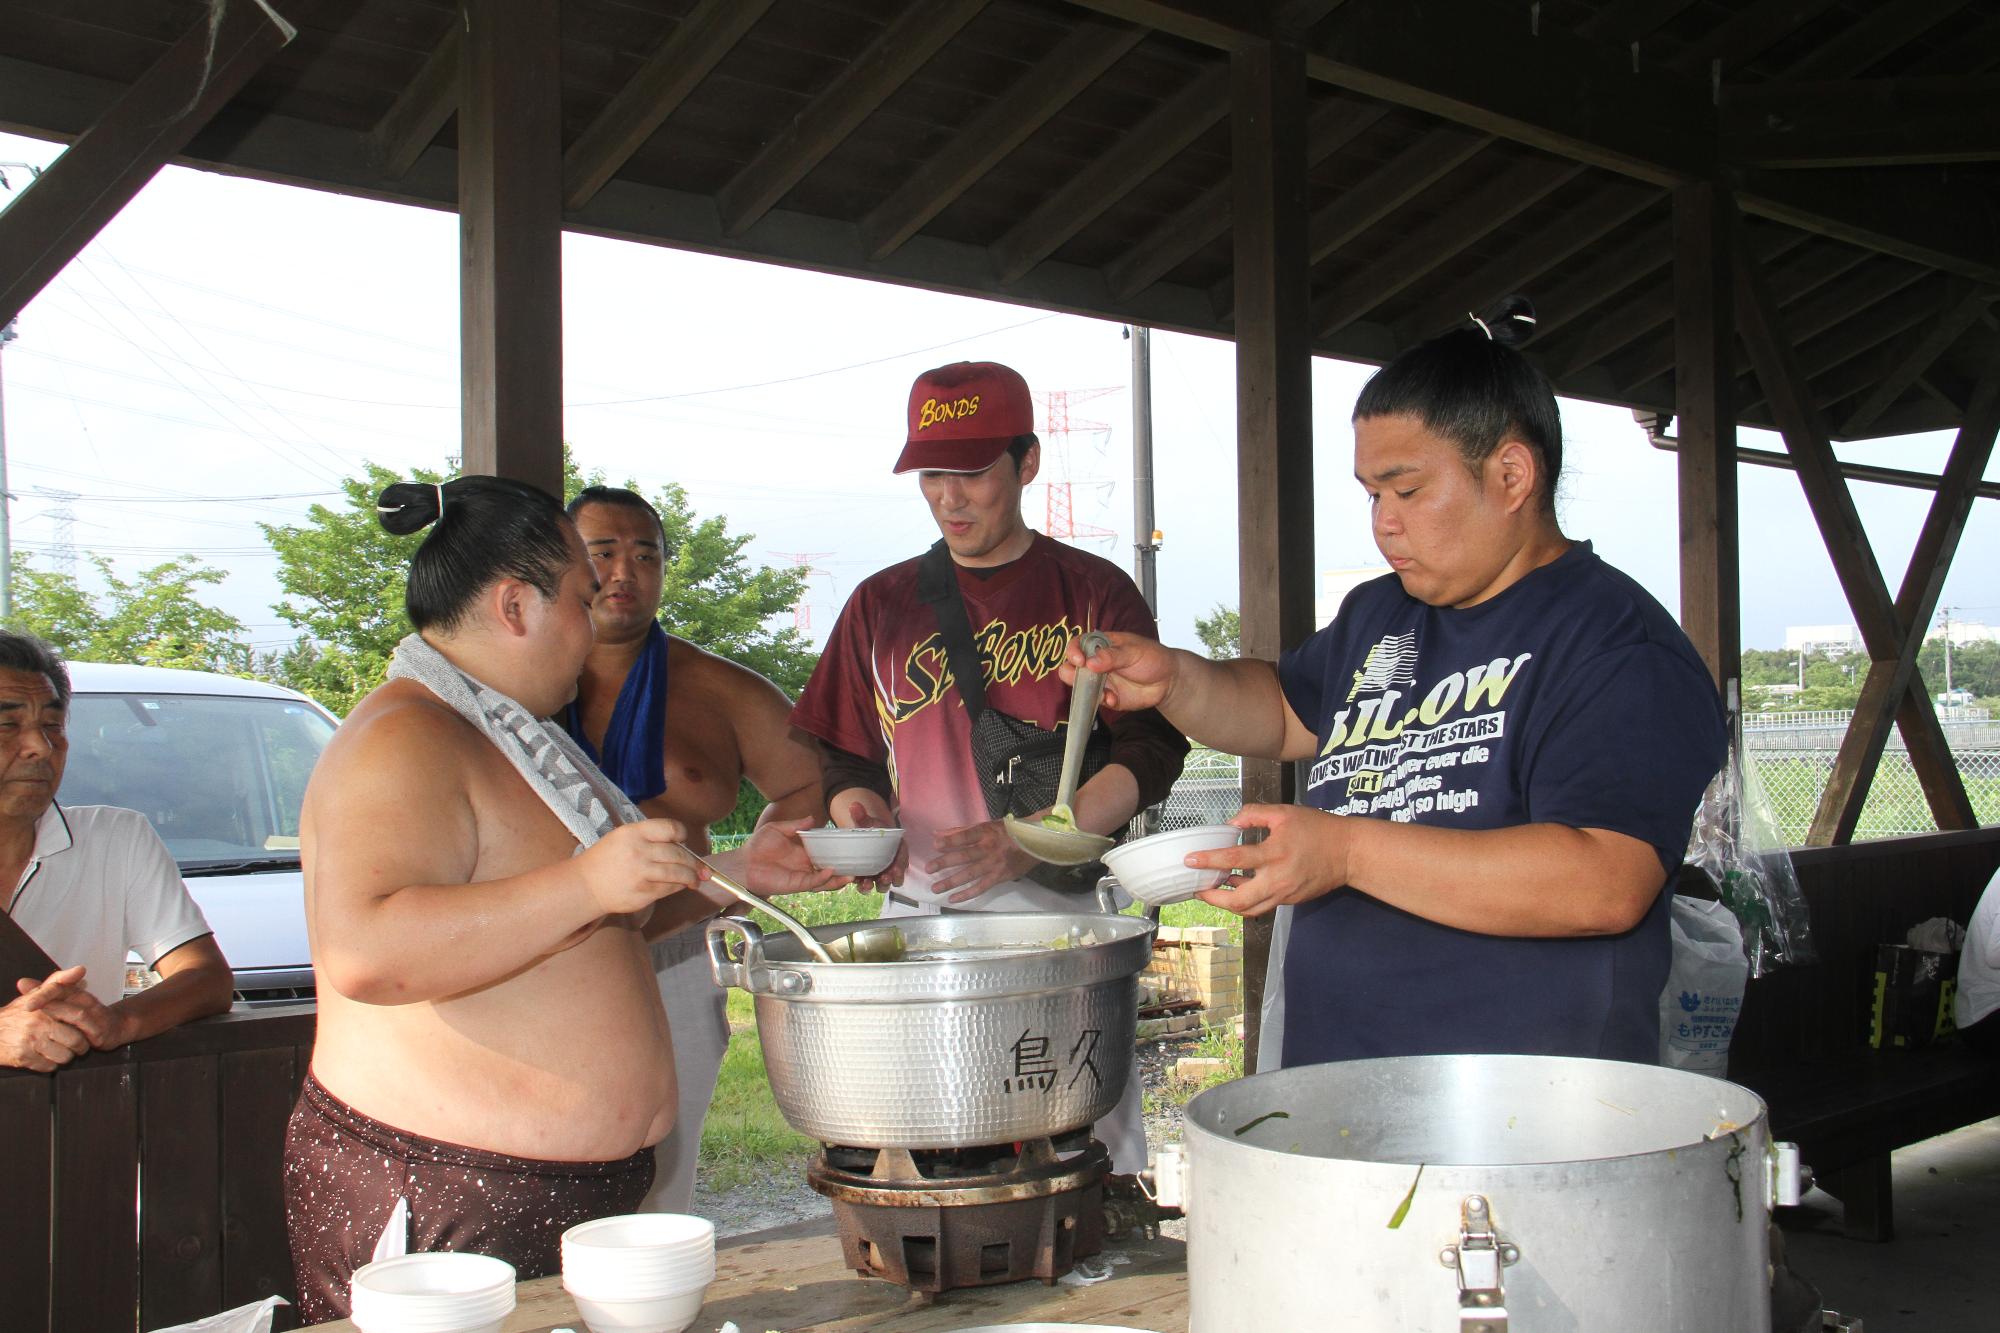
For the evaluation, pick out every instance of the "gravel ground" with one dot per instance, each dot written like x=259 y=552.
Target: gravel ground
x=781 y=1195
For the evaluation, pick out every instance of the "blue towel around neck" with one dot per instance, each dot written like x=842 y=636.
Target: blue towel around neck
x=635 y=739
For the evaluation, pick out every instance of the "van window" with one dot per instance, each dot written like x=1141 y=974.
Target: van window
x=221 y=779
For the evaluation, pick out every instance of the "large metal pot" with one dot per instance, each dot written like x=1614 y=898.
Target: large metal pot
x=1535 y=1194
x=1003 y=1038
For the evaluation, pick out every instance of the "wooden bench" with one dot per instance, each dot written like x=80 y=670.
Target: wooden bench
x=1847 y=1116
x=1802 y=1041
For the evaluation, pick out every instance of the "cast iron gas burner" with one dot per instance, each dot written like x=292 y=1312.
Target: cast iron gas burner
x=938 y=1219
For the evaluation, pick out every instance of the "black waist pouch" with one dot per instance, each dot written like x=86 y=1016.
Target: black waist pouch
x=1019 y=764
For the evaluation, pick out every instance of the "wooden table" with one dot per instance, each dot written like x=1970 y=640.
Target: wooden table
x=796 y=1283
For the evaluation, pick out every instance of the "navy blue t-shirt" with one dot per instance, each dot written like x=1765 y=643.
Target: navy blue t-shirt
x=1570 y=698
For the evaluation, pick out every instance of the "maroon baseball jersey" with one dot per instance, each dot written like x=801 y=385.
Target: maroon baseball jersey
x=883 y=689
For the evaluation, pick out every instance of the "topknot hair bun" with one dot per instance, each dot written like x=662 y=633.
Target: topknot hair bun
x=1510 y=321
x=409 y=506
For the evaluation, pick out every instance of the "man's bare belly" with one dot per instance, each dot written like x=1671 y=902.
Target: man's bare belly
x=566 y=1061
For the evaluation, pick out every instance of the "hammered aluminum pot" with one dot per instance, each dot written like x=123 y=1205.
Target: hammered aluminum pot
x=1013 y=1040
x=1536 y=1194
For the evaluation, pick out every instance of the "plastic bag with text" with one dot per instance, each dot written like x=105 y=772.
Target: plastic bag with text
x=1736 y=843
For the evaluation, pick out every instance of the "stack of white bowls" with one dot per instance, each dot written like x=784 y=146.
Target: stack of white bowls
x=433 y=1293
x=642 y=1273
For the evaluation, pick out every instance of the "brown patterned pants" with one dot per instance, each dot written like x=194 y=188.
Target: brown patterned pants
x=344 y=1173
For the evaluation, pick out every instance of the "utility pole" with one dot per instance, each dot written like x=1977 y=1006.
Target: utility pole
x=1947 y=655
x=1145 y=536
x=7 y=335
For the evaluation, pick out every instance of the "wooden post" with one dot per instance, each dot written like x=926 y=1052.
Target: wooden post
x=1273 y=401
x=510 y=241
x=1705 y=410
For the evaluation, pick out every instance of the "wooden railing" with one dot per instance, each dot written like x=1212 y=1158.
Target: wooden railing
x=183 y=1134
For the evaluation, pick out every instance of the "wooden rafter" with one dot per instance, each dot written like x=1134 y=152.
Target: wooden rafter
x=1476 y=214
x=1091 y=48
x=1333 y=125
x=673 y=71
x=1804 y=271
x=1920 y=351
x=1749 y=33
x=1863 y=122
x=1141 y=151
x=1885 y=632
x=1633 y=20
x=863 y=85
x=1885 y=308
x=1874 y=37
x=1565 y=235
x=131 y=140
x=1581 y=291
x=421 y=109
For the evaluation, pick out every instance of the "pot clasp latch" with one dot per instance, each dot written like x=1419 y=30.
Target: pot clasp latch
x=1478 y=1257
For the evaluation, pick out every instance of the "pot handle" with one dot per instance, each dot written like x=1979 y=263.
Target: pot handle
x=728 y=971
x=750 y=972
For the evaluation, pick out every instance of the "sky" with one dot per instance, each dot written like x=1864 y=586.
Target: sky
x=226 y=350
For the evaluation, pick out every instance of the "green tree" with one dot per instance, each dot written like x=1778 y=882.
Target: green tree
x=1221 y=632
x=344 y=578
x=155 y=619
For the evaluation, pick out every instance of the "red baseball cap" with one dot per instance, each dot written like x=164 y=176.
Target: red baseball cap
x=964 y=415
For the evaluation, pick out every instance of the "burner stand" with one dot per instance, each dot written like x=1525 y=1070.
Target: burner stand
x=937 y=1221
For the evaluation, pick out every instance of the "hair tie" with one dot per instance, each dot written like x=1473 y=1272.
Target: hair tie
x=438 y=486
x=1482 y=325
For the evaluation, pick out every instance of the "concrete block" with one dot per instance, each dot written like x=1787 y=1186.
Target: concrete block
x=1195 y=1068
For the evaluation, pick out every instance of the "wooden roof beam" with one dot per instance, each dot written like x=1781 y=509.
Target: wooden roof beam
x=862 y=86
x=1747 y=34
x=1087 y=51
x=1548 y=88
x=1378 y=194
x=1866 y=323
x=1435 y=243
x=131 y=140
x=1517 y=268
x=1143 y=150
x=1803 y=275
x=1922 y=214
x=1634 y=20
x=1920 y=352
x=671 y=73
x=1881 y=33
x=1863 y=122
x=421 y=109
x=1578 y=293
x=1333 y=125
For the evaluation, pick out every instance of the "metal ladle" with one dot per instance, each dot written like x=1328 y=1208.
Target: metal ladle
x=871 y=944
x=1055 y=838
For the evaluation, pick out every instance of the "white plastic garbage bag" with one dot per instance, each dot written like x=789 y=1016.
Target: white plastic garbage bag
x=1704 y=991
x=243 y=1319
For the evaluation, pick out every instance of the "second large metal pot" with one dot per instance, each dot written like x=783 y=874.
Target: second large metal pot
x=1003 y=1037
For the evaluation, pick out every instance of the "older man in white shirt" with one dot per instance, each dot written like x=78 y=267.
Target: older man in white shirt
x=88 y=884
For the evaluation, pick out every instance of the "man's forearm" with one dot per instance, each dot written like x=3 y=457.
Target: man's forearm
x=680 y=911
x=1107 y=802
x=1534 y=880
x=193 y=993
x=1237 y=707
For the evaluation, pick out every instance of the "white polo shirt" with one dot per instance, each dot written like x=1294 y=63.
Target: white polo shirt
x=99 y=885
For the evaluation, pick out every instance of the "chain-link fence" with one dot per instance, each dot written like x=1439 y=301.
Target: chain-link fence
x=1793 y=756
x=1792 y=753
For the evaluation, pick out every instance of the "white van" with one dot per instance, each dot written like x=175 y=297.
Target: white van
x=219 y=765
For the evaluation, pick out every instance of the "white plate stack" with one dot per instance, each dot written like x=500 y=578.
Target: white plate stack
x=433 y=1293
x=642 y=1273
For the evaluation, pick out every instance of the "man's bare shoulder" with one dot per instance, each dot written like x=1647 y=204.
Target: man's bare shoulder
x=398 y=719
x=717 y=678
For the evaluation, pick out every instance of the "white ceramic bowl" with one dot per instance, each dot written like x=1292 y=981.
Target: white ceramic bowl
x=852 y=851
x=662 y=1314
x=665 y=1233
x=638 y=1256
x=634 y=1281
x=1151 y=869
x=432 y=1293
